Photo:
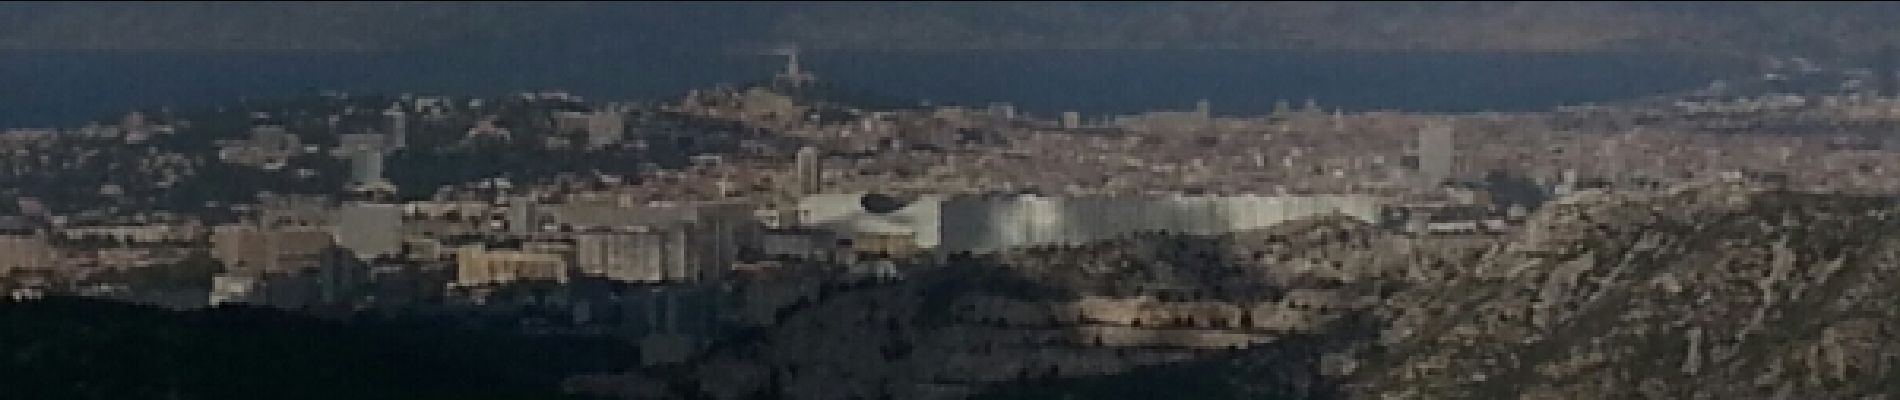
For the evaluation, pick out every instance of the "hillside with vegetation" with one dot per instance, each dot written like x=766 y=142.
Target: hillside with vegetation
x=1706 y=293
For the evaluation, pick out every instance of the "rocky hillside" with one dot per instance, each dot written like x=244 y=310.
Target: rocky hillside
x=1694 y=295
x=1708 y=293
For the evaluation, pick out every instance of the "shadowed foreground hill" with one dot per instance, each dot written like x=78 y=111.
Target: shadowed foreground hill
x=67 y=348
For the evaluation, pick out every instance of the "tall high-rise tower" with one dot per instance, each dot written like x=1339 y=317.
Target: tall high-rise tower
x=807 y=171
x=1437 y=153
x=397 y=130
x=521 y=215
x=1071 y=120
x=1886 y=68
x=366 y=167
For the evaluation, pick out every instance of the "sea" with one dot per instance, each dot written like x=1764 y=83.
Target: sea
x=68 y=88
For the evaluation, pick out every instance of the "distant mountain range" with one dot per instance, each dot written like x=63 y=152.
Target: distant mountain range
x=1806 y=28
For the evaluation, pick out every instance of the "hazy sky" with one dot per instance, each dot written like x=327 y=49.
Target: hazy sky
x=1734 y=27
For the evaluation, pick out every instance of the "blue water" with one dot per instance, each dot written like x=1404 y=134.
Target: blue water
x=64 y=88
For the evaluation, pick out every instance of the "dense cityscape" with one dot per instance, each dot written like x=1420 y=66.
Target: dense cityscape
x=790 y=239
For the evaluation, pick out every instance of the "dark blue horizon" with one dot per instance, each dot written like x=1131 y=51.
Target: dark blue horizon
x=65 y=88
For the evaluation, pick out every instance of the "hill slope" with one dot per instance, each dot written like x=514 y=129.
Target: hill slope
x=1719 y=292
x=1770 y=296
